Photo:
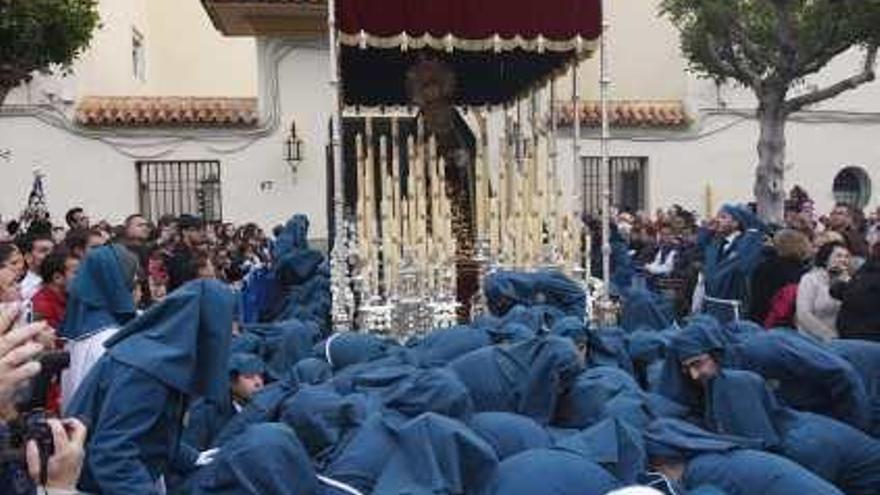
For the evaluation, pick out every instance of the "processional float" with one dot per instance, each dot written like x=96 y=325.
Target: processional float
x=427 y=200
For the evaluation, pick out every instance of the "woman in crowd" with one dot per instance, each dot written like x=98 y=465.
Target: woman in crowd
x=816 y=310
x=775 y=281
x=100 y=299
x=11 y=271
x=859 y=316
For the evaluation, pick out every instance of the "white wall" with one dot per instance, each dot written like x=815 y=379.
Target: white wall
x=101 y=177
x=680 y=168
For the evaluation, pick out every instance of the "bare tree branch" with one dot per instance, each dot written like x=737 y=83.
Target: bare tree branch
x=726 y=56
x=786 y=38
x=866 y=75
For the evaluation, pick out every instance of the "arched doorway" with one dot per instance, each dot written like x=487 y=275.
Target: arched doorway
x=852 y=186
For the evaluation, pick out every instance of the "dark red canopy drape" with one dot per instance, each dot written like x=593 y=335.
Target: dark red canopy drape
x=497 y=48
x=557 y=20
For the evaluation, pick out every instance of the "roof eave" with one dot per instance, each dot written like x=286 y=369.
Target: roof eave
x=295 y=19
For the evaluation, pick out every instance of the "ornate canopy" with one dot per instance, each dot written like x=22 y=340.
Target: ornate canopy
x=497 y=49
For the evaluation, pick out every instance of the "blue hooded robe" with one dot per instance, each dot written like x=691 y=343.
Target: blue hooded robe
x=525 y=378
x=803 y=373
x=551 y=472
x=643 y=309
x=267 y=459
x=509 y=434
x=206 y=418
x=613 y=444
x=134 y=398
x=864 y=356
x=601 y=393
x=99 y=296
x=728 y=463
x=726 y=275
x=739 y=403
x=284 y=343
x=323 y=419
x=437 y=455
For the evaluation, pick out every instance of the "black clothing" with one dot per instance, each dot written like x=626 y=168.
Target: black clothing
x=181 y=266
x=771 y=275
x=859 y=316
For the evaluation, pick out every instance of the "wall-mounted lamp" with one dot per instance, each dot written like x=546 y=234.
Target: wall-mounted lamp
x=293 y=149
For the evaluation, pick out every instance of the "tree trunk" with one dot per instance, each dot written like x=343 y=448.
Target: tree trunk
x=770 y=173
x=4 y=91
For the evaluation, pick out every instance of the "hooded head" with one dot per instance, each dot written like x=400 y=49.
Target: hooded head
x=100 y=295
x=437 y=454
x=435 y=390
x=183 y=341
x=613 y=444
x=266 y=458
x=675 y=439
x=246 y=375
x=576 y=330
x=509 y=434
x=693 y=357
x=743 y=216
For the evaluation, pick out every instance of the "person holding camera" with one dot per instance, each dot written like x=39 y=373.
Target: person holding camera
x=20 y=470
x=817 y=310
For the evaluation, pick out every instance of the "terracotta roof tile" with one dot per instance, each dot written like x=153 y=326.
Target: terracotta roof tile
x=162 y=111
x=656 y=114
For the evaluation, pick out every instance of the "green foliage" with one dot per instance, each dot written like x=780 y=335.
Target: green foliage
x=39 y=35
x=769 y=43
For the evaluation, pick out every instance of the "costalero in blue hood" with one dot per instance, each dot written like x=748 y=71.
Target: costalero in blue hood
x=505 y=289
x=241 y=363
x=436 y=454
x=284 y=343
x=345 y=349
x=671 y=438
x=267 y=459
x=551 y=472
x=509 y=434
x=436 y=390
x=614 y=444
x=312 y=371
x=739 y=403
x=805 y=374
x=443 y=345
x=100 y=294
x=322 y=418
x=182 y=341
x=643 y=309
x=600 y=393
x=864 y=356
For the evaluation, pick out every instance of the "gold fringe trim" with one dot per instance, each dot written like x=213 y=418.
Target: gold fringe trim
x=450 y=43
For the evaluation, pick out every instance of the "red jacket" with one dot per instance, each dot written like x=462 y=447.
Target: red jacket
x=50 y=304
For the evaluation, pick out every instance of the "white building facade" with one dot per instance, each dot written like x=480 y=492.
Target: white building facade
x=166 y=114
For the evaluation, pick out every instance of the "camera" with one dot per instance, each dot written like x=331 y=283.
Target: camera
x=31 y=421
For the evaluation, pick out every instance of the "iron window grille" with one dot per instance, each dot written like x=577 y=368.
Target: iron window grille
x=628 y=176
x=180 y=187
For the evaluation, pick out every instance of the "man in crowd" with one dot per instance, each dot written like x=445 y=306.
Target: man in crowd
x=57 y=272
x=729 y=260
x=76 y=219
x=182 y=264
x=841 y=221
x=36 y=247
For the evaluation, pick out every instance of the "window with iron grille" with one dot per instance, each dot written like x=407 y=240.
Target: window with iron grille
x=180 y=187
x=628 y=175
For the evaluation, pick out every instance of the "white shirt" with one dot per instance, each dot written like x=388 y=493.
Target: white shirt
x=661 y=266
x=30 y=285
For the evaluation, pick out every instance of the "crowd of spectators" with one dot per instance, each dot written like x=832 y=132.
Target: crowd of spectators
x=819 y=274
